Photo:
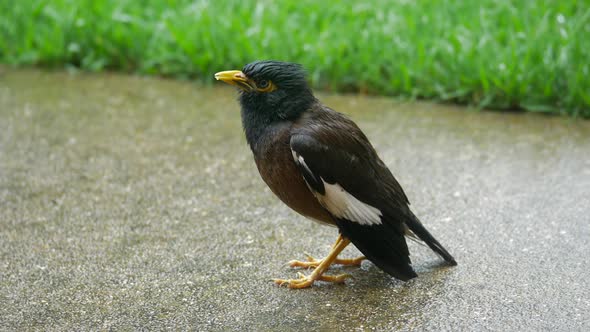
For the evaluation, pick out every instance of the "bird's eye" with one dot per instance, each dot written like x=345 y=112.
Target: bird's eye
x=262 y=84
x=265 y=86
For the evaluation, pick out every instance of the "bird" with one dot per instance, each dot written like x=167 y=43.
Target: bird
x=319 y=163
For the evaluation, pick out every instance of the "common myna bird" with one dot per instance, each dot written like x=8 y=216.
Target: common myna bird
x=319 y=163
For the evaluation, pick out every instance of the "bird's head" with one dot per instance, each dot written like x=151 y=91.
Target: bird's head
x=270 y=90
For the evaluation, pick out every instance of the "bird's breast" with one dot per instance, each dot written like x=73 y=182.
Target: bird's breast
x=278 y=170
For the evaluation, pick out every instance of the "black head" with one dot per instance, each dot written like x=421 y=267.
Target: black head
x=275 y=90
x=271 y=92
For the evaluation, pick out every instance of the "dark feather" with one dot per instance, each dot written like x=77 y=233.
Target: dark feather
x=416 y=226
x=381 y=244
x=334 y=149
x=311 y=179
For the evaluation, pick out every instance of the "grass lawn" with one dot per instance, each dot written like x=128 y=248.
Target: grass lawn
x=531 y=55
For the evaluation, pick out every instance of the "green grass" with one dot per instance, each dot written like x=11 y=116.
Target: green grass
x=531 y=55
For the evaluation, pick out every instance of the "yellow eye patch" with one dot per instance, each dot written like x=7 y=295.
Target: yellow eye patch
x=265 y=86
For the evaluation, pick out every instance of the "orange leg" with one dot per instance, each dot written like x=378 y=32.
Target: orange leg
x=313 y=263
x=318 y=274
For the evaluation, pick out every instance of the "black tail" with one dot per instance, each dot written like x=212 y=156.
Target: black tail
x=416 y=226
x=382 y=244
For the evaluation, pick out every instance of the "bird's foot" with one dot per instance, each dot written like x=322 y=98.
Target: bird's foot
x=306 y=281
x=310 y=263
x=313 y=263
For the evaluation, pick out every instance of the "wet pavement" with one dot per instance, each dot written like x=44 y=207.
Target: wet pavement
x=134 y=203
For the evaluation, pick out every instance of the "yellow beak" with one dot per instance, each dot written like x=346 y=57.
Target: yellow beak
x=236 y=78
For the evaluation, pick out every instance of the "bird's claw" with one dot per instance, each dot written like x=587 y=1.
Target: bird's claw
x=313 y=263
x=306 y=281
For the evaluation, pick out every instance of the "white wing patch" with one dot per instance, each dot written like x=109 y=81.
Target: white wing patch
x=341 y=203
x=300 y=161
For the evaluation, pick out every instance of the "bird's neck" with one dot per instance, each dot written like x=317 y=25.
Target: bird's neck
x=262 y=131
x=262 y=125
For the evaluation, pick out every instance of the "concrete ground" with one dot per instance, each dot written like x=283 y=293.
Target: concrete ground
x=131 y=203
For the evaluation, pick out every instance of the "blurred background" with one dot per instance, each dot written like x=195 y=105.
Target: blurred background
x=508 y=55
x=129 y=199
